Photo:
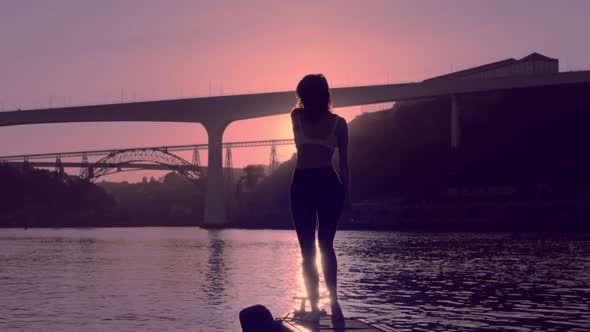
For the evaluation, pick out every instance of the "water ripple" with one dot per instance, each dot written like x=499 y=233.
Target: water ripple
x=197 y=280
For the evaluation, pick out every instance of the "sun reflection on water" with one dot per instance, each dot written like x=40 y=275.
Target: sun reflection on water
x=301 y=291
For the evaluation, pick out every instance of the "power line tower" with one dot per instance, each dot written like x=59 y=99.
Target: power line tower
x=274 y=159
x=196 y=159
x=59 y=168
x=228 y=169
x=228 y=175
x=84 y=165
x=26 y=164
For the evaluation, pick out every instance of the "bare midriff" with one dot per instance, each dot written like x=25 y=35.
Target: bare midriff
x=311 y=155
x=314 y=156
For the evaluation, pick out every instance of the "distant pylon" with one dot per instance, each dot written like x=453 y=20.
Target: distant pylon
x=228 y=169
x=196 y=159
x=26 y=164
x=59 y=168
x=274 y=159
x=84 y=165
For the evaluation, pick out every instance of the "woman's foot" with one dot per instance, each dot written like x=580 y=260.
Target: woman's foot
x=309 y=316
x=337 y=314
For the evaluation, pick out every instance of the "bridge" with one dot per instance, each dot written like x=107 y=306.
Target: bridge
x=159 y=158
x=216 y=113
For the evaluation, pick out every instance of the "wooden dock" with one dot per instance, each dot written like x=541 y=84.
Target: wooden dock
x=291 y=324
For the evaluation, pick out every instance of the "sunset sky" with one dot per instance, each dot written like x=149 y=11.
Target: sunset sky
x=81 y=52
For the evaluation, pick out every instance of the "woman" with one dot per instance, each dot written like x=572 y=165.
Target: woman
x=315 y=186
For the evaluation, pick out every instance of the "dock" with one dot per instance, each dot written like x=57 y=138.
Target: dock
x=291 y=324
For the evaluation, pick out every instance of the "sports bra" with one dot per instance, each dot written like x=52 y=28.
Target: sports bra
x=331 y=141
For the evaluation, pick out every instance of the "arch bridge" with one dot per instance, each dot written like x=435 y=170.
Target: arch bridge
x=146 y=158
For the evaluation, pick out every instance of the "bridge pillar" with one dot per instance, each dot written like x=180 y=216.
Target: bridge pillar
x=455 y=121
x=214 y=214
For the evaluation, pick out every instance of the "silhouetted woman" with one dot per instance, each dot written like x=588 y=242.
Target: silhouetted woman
x=316 y=189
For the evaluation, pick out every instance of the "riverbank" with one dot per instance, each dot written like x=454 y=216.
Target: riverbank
x=447 y=215
x=387 y=214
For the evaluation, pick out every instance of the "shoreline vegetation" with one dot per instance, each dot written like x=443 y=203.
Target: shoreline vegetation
x=522 y=166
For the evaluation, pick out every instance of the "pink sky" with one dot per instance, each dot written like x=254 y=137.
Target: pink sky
x=95 y=52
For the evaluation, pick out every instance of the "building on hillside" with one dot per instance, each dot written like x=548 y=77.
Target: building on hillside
x=532 y=64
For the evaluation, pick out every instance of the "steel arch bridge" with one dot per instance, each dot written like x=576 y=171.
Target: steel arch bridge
x=133 y=159
x=116 y=160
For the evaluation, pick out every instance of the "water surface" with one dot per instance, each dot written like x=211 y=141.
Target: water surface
x=189 y=279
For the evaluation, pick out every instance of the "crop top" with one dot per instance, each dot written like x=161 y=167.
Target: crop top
x=331 y=141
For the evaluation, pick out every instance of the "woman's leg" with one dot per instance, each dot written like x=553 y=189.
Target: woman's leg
x=303 y=213
x=328 y=215
x=306 y=236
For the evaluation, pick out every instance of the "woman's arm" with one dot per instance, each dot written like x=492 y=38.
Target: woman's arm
x=343 y=158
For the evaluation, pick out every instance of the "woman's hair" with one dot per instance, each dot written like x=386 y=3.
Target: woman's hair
x=313 y=97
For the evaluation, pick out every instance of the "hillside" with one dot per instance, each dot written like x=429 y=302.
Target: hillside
x=529 y=142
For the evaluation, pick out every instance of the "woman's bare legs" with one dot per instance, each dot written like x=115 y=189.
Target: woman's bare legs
x=305 y=227
x=317 y=193
x=326 y=232
x=311 y=276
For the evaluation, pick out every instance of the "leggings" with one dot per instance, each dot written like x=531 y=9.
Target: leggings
x=316 y=191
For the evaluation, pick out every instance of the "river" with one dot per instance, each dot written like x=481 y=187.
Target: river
x=191 y=279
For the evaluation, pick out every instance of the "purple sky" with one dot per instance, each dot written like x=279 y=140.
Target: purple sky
x=81 y=52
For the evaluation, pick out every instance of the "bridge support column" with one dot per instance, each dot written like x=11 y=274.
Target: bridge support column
x=215 y=199
x=455 y=121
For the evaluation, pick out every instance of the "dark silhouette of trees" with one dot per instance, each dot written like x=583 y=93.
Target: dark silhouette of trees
x=253 y=174
x=176 y=201
x=39 y=198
